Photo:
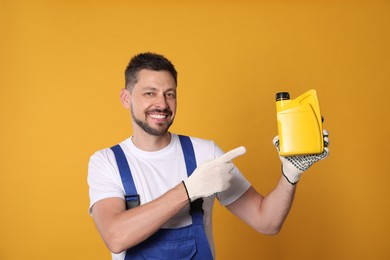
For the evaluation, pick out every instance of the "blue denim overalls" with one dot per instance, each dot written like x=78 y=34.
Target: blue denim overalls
x=189 y=242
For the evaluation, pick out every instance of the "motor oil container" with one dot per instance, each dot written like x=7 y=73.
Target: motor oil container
x=299 y=124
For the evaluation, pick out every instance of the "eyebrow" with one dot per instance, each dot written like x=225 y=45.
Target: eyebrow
x=149 y=88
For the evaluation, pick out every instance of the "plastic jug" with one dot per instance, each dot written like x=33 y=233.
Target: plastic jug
x=299 y=124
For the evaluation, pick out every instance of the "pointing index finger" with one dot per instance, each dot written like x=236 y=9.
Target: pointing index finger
x=232 y=154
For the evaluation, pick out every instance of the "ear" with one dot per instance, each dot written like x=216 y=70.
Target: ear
x=125 y=98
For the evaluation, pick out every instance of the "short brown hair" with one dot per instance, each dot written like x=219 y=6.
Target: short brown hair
x=149 y=61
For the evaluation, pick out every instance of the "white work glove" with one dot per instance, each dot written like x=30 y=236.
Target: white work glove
x=294 y=166
x=213 y=176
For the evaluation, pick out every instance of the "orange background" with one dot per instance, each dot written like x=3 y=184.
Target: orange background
x=62 y=65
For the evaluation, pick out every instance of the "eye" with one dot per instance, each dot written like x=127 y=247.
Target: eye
x=148 y=93
x=171 y=95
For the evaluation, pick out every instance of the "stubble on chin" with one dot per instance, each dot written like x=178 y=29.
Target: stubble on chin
x=149 y=129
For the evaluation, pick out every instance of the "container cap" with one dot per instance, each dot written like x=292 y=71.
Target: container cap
x=282 y=96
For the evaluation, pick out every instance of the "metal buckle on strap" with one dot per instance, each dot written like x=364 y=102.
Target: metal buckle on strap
x=132 y=201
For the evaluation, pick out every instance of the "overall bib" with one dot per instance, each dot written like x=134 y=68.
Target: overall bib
x=189 y=242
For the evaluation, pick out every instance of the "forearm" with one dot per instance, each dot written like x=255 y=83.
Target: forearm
x=123 y=229
x=275 y=207
x=265 y=214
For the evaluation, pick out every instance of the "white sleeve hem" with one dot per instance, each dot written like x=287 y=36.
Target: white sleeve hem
x=237 y=194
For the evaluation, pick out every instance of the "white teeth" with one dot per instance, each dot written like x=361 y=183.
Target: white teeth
x=158 y=116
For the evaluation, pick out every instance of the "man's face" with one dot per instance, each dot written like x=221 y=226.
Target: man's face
x=153 y=101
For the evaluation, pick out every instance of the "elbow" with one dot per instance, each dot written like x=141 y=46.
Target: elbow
x=115 y=243
x=116 y=249
x=269 y=230
x=114 y=246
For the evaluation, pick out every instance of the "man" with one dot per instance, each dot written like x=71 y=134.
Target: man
x=152 y=195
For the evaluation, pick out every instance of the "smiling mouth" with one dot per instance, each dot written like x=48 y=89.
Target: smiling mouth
x=158 y=116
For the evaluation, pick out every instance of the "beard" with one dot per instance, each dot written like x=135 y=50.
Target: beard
x=150 y=130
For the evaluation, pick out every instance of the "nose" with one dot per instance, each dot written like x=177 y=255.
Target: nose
x=161 y=102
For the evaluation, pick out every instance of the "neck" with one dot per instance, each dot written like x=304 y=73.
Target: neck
x=150 y=143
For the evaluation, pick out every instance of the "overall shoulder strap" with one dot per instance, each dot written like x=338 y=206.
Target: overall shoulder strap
x=190 y=159
x=131 y=195
x=189 y=154
x=196 y=207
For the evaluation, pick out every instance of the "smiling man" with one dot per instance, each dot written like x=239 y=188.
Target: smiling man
x=154 y=102
x=151 y=196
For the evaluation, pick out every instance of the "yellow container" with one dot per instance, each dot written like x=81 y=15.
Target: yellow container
x=299 y=124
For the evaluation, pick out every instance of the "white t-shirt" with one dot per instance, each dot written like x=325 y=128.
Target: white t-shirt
x=154 y=173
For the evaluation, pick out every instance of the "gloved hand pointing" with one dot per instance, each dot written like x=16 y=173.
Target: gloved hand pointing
x=213 y=176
